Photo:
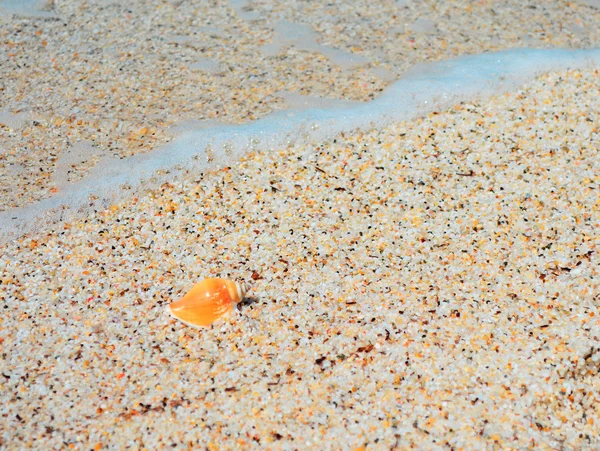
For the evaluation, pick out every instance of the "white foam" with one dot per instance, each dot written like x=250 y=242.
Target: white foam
x=81 y=152
x=422 y=26
x=14 y=121
x=243 y=10
x=425 y=88
x=27 y=8
x=206 y=65
x=592 y=3
x=305 y=38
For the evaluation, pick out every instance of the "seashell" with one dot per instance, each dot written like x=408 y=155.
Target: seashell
x=208 y=301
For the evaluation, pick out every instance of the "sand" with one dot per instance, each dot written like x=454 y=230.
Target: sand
x=429 y=284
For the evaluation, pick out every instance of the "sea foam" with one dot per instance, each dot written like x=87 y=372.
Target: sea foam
x=27 y=8
x=425 y=88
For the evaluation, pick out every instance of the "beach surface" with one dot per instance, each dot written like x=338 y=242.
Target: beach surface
x=431 y=283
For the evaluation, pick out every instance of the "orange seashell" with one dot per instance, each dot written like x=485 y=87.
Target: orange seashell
x=208 y=301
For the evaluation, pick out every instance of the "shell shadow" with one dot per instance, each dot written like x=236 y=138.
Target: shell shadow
x=246 y=302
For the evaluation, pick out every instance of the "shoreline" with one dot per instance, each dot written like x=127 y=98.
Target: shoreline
x=427 y=88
